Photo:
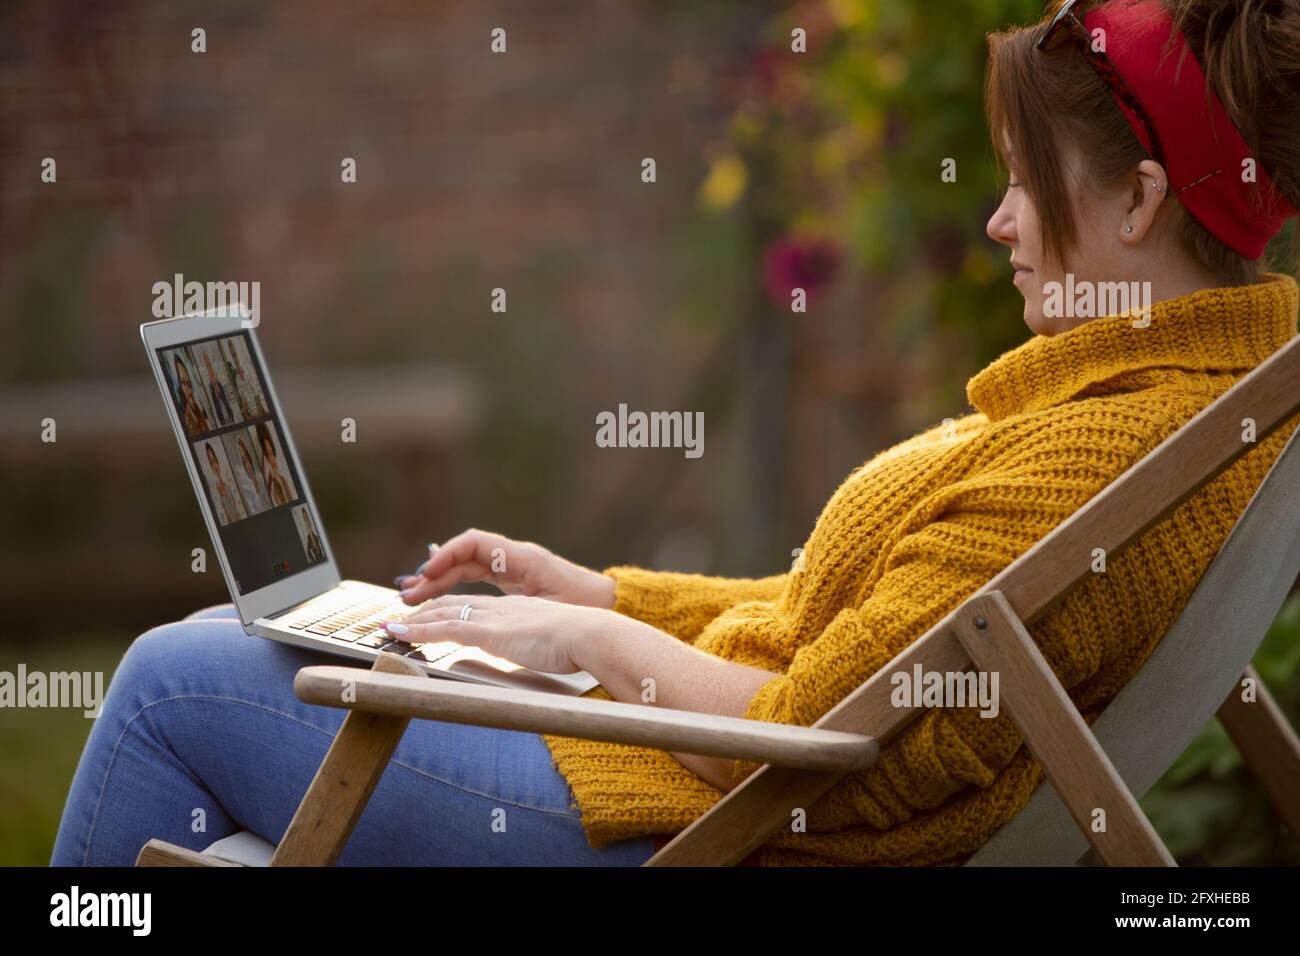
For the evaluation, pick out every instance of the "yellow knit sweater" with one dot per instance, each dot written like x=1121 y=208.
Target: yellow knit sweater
x=919 y=528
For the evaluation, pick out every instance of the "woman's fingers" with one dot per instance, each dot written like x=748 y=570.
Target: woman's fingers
x=514 y=628
x=449 y=607
x=423 y=588
x=437 y=631
x=440 y=620
x=468 y=547
x=404 y=581
x=469 y=557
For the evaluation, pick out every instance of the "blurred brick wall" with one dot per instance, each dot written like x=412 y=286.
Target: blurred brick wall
x=474 y=171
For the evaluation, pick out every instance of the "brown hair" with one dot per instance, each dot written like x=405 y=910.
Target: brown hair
x=1037 y=99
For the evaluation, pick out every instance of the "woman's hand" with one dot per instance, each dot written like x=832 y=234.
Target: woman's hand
x=516 y=567
x=628 y=657
x=530 y=631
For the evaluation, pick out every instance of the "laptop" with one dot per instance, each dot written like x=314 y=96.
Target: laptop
x=265 y=529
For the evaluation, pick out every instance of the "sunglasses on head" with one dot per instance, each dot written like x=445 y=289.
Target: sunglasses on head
x=1068 y=25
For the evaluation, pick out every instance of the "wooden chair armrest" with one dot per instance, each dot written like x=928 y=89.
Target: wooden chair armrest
x=401 y=695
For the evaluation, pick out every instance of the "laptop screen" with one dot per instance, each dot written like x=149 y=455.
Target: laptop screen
x=267 y=526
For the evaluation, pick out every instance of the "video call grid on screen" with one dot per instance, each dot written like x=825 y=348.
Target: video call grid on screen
x=267 y=528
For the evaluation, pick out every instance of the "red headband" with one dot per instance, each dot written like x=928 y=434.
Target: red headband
x=1204 y=152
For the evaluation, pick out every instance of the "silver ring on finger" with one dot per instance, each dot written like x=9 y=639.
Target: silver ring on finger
x=466 y=611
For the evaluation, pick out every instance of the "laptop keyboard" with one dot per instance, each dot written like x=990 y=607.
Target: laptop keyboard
x=361 y=624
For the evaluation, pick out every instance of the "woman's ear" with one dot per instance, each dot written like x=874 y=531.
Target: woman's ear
x=1150 y=187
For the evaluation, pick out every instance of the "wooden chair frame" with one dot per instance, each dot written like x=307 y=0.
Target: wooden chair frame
x=987 y=632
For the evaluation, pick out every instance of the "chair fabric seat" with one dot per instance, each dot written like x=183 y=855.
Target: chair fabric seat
x=244 y=848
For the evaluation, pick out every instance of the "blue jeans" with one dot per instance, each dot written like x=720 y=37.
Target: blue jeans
x=201 y=736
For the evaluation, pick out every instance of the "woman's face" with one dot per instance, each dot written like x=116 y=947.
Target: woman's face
x=1095 y=256
x=212 y=462
x=247 y=459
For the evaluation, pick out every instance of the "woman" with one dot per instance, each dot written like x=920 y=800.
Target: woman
x=1097 y=195
x=223 y=493
x=310 y=540
x=193 y=415
x=277 y=486
x=250 y=481
x=220 y=403
x=250 y=395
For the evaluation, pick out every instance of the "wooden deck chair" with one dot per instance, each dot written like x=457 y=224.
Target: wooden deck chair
x=1194 y=670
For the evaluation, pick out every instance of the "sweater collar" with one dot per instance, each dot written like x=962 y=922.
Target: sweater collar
x=1229 y=330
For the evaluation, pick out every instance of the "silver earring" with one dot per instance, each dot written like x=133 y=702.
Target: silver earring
x=1158 y=189
x=1128 y=228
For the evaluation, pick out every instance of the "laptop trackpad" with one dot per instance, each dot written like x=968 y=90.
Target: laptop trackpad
x=475 y=664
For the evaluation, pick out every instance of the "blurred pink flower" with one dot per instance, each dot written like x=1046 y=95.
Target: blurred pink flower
x=755 y=78
x=765 y=65
x=791 y=263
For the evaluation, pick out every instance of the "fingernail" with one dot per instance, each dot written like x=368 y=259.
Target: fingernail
x=397 y=581
x=392 y=627
x=420 y=569
x=406 y=593
x=432 y=547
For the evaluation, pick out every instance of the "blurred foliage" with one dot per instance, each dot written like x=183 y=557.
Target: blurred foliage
x=847 y=142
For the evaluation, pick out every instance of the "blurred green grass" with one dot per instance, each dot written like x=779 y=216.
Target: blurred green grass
x=41 y=746
x=1207 y=808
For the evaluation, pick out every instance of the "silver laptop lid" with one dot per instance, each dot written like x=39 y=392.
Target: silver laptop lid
x=252 y=491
